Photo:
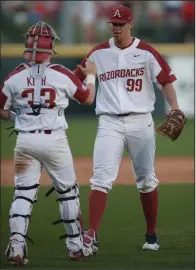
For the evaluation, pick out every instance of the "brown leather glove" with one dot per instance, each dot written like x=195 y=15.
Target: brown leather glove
x=173 y=125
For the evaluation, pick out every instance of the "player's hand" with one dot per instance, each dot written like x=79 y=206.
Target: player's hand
x=89 y=69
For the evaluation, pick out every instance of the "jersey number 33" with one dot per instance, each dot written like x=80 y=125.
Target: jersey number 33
x=48 y=94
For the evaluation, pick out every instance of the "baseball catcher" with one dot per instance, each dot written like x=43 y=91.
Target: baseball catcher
x=173 y=125
x=39 y=92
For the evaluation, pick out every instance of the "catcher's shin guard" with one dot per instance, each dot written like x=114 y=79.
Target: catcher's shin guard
x=20 y=211
x=69 y=208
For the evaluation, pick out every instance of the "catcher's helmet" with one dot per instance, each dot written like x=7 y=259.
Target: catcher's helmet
x=40 y=41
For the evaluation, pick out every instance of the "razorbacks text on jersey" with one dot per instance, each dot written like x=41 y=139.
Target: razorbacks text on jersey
x=57 y=85
x=126 y=76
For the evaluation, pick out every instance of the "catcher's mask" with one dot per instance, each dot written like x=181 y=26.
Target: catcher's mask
x=40 y=41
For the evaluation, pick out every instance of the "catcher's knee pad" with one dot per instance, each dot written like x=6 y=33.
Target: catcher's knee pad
x=21 y=208
x=146 y=184
x=69 y=208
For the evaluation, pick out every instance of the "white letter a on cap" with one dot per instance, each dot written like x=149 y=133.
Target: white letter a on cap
x=117 y=13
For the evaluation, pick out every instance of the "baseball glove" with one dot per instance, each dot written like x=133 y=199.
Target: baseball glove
x=173 y=125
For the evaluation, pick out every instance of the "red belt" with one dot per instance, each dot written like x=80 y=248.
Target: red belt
x=48 y=131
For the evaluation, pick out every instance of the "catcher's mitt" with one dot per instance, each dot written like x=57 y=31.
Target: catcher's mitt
x=173 y=125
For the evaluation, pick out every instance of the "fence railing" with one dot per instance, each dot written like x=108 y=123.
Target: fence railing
x=16 y=50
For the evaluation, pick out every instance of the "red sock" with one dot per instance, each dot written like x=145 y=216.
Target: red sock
x=150 y=206
x=97 y=204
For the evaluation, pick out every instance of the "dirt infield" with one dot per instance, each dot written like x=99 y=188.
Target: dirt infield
x=168 y=170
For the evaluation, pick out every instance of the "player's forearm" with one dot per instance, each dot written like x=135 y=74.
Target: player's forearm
x=79 y=74
x=170 y=95
x=7 y=115
x=91 y=96
x=90 y=80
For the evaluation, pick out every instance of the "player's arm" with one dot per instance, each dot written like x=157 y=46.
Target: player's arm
x=72 y=85
x=78 y=72
x=89 y=72
x=163 y=76
x=5 y=103
x=170 y=95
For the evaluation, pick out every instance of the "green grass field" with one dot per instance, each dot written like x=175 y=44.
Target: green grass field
x=82 y=132
x=121 y=233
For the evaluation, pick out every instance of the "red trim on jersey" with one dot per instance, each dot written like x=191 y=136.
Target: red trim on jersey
x=81 y=95
x=101 y=46
x=163 y=77
x=3 y=99
x=15 y=71
x=128 y=45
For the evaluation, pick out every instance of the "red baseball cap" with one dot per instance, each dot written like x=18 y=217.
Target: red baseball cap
x=120 y=14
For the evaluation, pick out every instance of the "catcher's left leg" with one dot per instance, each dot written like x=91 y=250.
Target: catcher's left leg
x=59 y=166
x=27 y=174
x=140 y=141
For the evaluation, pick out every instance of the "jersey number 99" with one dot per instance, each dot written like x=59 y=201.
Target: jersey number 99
x=134 y=85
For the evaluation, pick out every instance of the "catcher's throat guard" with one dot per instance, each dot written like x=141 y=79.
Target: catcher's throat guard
x=173 y=125
x=39 y=42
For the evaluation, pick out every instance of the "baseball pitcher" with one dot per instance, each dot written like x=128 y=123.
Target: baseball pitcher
x=39 y=92
x=127 y=67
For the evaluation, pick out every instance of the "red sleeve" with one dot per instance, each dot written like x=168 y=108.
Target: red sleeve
x=162 y=72
x=81 y=94
x=5 y=94
x=166 y=75
x=3 y=99
x=77 y=71
x=15 y=71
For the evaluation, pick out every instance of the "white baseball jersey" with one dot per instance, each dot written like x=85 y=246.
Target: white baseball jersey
x=53 y=89
x=126 y=76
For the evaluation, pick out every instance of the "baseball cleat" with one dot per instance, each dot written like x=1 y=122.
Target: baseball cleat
x=90 y=235
x=16 y=253
x=82 y=254
x=152 y=242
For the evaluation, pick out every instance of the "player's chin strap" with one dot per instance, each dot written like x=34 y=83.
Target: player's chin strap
x=65 y=198
x=37 y=72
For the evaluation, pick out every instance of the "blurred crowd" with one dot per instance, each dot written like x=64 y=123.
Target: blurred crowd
x=155 y=21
